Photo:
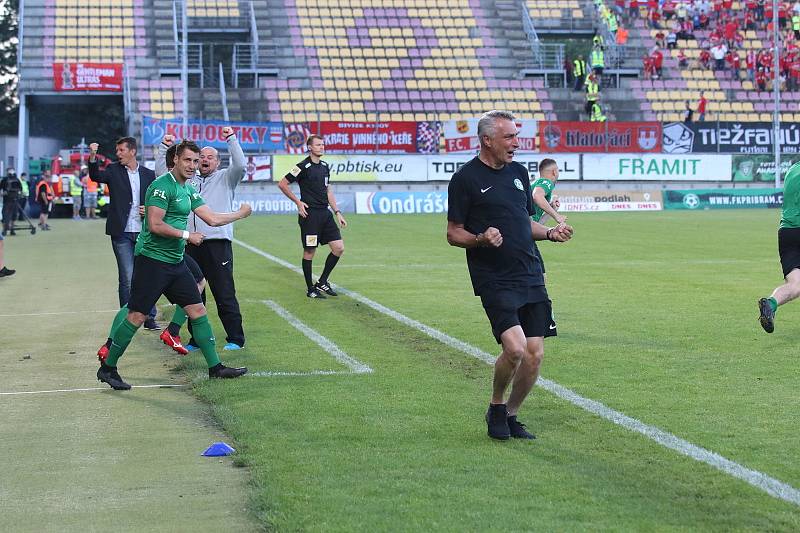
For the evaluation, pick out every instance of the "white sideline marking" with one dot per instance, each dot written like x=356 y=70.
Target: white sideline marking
x=269 y=374
x=60 y=313
x=20 y=393
x=759 y=480
x=356 y=367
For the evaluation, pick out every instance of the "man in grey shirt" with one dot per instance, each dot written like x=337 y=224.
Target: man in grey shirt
x=215 y=255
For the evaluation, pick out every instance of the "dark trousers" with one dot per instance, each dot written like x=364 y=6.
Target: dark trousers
x=215 y=257
x=124 y=245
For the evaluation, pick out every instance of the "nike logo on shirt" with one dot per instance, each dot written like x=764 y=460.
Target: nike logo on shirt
x=486 y=189
x=552 y=326
x=225 y=263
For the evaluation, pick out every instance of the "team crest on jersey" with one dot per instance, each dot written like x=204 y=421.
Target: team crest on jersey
x=295 y=171
x=160 y=194
x=518 y=184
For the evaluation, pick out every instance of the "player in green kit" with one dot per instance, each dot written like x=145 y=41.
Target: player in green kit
x=543 y=203
x=788 y=250
x=159 y=267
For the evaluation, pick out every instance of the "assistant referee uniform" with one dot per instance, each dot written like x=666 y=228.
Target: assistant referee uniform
x=318 y=227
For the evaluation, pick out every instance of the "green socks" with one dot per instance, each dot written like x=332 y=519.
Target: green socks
x=121 y=315
x=773 y=303
x=204 y=337
x=119 y=341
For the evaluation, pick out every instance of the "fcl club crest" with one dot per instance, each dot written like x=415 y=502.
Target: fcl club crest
x=462 y=126
x=647 y=138
x=552 y=136
x=295 y=139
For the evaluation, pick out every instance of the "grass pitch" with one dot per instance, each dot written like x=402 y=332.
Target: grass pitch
x=657 y=319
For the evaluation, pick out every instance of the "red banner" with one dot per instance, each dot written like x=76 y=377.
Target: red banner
x=391 y=137
x=88 y=77
x=631 y=137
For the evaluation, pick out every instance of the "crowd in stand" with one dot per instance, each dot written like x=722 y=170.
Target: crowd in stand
x=720 y=30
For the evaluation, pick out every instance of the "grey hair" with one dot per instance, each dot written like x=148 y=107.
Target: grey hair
x=487 y=121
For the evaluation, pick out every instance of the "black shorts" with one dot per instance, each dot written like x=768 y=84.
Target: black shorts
x=318 y=228
x=194 y=268
x=538 y=255
x=533 y=311
x=152 y=278
x=789 y=249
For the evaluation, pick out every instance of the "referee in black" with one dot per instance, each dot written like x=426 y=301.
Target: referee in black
x=489 y=210
x=316 y=220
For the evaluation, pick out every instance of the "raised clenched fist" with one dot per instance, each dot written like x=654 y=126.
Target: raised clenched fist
x=168 y=139
x=227 y=131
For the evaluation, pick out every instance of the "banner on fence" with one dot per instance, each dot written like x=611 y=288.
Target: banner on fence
x=462 y=135
x=82 y=76
x=587 y=200
x=278 y=204
x=651 y=167
x=259 y=168
x=367 y=167
x=387 y=137
x=759 y=167
x=722 y=198
x=442 y=167
x=407 y=202
x=600 y=136
x=729 y=137
x=253 y=136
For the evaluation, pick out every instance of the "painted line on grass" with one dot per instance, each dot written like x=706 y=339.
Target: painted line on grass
x=88 y=389
x=59 y=313
x=356 y=367
x=276 y=374
x=759 y=480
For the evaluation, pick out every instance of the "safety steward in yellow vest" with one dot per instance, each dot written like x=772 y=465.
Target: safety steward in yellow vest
x=579 y=71
x=592 y=92
x=597 y=113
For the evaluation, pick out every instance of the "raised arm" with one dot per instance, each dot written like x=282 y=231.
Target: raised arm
x=161 y=154
x=220 y=219
x=235 y=172
x=95 y=174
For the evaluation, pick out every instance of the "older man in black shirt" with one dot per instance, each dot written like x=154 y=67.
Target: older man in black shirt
x=489 y=210
x=315 y=219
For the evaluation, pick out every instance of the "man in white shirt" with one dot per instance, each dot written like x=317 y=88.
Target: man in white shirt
x=127 y=182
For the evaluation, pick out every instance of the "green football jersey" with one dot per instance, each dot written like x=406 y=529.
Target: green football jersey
x=178 y=201
x=790 y=214
x=548 y=187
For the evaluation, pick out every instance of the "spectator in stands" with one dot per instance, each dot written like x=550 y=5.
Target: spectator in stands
x=727 y=7
x=687 y=114
x=654 y=17
x=794 y=74
x=782 y=11
x=761 y=79
x=661 y=40
x=686 y=30
x=568 y=71
x=672 y=40
x=796 y=23
x=749 y=20
x=633 y=9
x=717 y=9
x=704 y=59
x=702 y=21
x=760 y=10
x=701 y=107
x=718 y=52
x=658 y=62
x=683 y=61
x=750 y=63
x=579 y=72
x=622 y=36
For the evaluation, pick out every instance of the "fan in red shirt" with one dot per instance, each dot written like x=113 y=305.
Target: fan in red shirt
x=761 y=79
x=705 y=58
x=658 y=61
x=701 y=107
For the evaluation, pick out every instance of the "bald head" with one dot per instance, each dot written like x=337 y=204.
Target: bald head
x=209 y=160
